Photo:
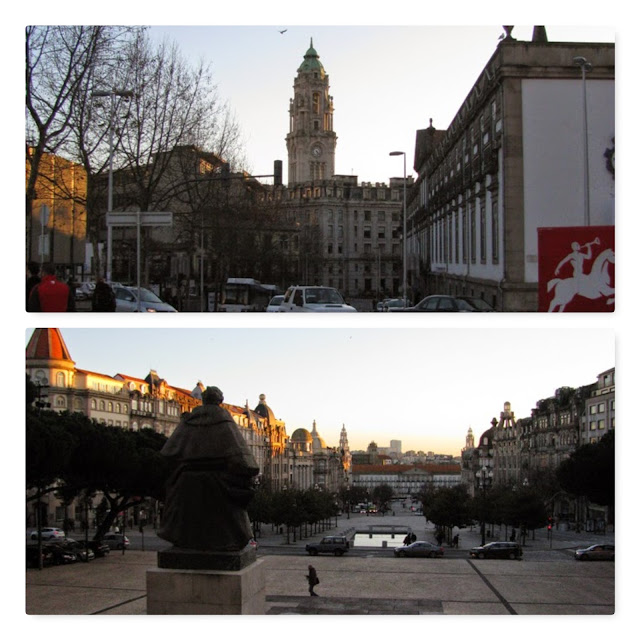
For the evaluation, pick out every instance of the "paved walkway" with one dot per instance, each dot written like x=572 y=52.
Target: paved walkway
x=547 y=581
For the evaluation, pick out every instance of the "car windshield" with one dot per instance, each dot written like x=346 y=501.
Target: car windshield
x=148 y=296
x=323 y=295
x=480 y=304
x=463 y=305
x=275 y=301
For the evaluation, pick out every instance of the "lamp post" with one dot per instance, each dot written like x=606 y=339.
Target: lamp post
x=404 y=225
x=585 y=67
x=482 y=483
x=111 y=93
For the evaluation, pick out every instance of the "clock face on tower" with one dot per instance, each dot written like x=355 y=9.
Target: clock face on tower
x=316 y=150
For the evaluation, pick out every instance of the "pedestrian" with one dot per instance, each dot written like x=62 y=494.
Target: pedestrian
x=456 y=539
x=414 y=537
x=51 y=294
x=513 y=535
x=312 y=579
x=103 y=298
x=407 y=540
x=34 y=279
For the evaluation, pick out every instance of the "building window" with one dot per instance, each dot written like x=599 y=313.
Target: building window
x=483 y=233
x=495 y=253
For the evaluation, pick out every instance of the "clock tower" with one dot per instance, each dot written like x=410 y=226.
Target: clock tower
x=311 y=141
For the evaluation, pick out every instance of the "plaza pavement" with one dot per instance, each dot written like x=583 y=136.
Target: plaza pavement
x=547 y=581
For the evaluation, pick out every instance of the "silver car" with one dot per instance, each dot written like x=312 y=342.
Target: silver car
x=127 y=300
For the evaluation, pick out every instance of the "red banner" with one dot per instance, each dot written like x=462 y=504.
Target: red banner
x=576 y=269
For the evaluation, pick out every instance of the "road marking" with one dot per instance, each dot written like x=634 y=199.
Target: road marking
x=507 y=606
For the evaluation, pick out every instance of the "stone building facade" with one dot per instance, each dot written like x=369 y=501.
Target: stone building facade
x=59 y=237
x=302 y=460
x=511 y=162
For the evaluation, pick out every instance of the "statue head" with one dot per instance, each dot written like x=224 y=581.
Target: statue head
x=212 y=395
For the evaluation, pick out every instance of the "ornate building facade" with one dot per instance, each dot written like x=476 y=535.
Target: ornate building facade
x=508 y=164
x=302 y=461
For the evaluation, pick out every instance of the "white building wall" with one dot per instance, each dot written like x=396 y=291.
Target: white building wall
x=552 y=131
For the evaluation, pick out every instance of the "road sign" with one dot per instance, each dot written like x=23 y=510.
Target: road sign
x=142 y=218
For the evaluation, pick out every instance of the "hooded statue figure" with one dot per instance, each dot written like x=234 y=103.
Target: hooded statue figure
x=212 y=484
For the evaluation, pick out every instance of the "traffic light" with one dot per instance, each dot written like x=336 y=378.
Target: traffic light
x=549 y=523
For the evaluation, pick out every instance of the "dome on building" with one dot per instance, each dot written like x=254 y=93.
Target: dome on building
x=264 y=410
x=301 y=436
x=318 y=443
x=312 y=62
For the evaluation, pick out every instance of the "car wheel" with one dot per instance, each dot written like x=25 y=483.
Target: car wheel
x=431 y=554
x=512 y=556
x=481 y=556
x=313 y=552
x=338 y=552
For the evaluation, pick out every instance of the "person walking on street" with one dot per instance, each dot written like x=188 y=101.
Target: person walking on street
x=51 y=294
x=103 y=297
x=312 y=579
x=456 y=539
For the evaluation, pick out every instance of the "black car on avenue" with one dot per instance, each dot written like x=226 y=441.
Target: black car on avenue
x=497 y=550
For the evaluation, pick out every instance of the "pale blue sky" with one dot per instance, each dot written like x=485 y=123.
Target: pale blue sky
x=387 y=82
x=425 y=387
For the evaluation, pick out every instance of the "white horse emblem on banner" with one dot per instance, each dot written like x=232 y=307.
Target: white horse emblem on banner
x=592 y=285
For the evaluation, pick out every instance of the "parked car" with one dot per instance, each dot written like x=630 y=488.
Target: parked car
x=32 y=556
x=274 y=303
x=85 y=290
x=499 y=550
x=61 y=553
x=441 y=303
x=127 y=300
x=477 y=303
x=48 y=533
x=80 y=548
x=419 y=549
x=99 y=547
x=116 y=540
x=597 y=552
x=329 y=544
x=310 y=299
x=395 y=304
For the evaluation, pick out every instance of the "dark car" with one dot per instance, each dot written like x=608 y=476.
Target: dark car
x=62 y=554
x=329 y=544
x=597 y=552
x=441 y=303
x=498 y=550
x=116 y=540
x=419 y=549
x=32 y=556
x=99 y=547
x=477 y=303
x=80 y=548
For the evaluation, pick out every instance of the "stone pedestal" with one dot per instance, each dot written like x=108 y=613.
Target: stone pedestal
x=206 y=591
x=189 y=581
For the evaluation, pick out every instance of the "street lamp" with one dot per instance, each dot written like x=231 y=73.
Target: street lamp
x=404 y=225
x=111 y=93
x=482 y=476
x=585 y=67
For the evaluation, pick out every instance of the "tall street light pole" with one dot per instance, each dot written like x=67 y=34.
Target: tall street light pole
x=404 y=225
x=585 y=67
x=111 y=93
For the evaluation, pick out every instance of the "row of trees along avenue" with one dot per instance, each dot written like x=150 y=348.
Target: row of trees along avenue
x=588 y=474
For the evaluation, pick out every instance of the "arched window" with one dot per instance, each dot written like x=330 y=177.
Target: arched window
x=60 y=379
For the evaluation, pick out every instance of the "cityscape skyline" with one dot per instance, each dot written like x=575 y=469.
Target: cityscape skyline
x=343 y=376
x=376 y=77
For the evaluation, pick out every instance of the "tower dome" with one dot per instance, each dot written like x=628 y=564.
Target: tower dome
x=311 y=62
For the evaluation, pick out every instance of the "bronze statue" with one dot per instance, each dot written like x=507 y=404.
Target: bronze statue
x=207 y=494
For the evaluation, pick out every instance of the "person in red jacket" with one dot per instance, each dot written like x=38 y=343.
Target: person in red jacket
x=51 y=294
